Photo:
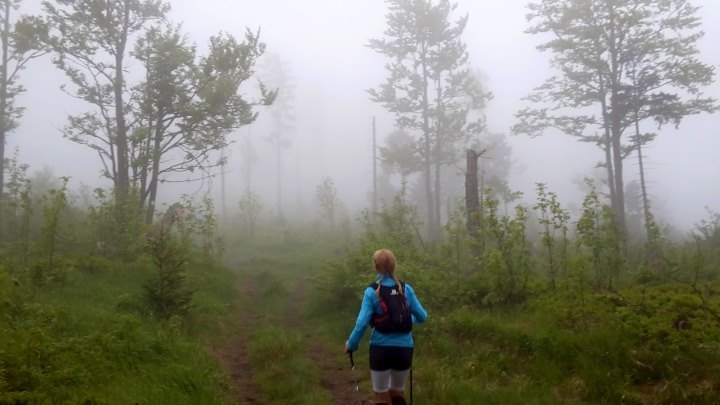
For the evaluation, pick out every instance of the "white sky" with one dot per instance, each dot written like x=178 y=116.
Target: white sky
x=324 y=44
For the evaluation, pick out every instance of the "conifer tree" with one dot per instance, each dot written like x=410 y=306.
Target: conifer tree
x=619 y=62
x=430 y=88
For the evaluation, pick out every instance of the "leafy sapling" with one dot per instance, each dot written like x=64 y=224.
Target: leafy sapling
x=554 y=222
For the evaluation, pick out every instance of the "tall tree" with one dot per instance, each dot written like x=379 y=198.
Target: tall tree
x=401 y=154
x=187 y=106
x=328 y=201
x=472 y=202
x=92 y=40
x=619 y=62
x=275 y=72
x=430 y=88
x=19 y=39
x=495 y=166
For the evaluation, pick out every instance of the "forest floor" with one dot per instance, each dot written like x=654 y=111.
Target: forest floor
x=233 y=356
x=334 y=377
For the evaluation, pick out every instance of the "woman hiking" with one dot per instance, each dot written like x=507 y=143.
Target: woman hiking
x=390 y=307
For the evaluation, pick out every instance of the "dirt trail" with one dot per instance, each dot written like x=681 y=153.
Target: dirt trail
x=234 y=355
x=336 y=374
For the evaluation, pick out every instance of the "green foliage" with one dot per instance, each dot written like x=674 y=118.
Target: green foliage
x=628 y=24
x=117 y=225
x=328 y=202
x=432 y=91
x=88 y=341
x=607 y=332
x=19 y=46
x=56 y=202
x=623 y=349
x=707 y=241
x=553 y=219
x=17 y=209
x=394 y=227
x=211 y=243
x=506 y=259
x=189 y=104
x=196 y=227
x=250 y=207
x=166 y=292
x=599 y=235
x=642 y=65
x=91 y=41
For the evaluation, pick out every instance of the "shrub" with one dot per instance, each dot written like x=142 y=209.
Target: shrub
x=166 y=293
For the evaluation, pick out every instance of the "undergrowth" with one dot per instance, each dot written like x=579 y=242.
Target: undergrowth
x=91 y=340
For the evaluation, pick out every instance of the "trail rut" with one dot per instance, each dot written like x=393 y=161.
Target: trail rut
x=336 y=376
x=336 y=373
x=234 y=356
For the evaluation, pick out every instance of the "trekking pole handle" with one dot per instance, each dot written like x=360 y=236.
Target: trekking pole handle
x=352 y=361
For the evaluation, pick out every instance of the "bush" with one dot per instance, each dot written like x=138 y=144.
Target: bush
x=166 y=292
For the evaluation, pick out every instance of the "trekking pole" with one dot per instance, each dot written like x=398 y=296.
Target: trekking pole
x=411 y=398
x=357 y=386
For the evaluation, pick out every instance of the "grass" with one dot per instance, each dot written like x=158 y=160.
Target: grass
x=285 y=373
x=89 y=340
x=529 y=355
x=280 y=361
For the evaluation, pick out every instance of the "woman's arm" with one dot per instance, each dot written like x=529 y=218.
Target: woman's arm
x=363 y=320
x=416 y=309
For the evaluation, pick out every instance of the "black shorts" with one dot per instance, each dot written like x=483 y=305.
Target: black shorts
x=390 y=358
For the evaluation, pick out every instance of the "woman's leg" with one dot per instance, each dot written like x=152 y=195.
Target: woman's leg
x=397 y=397
x=398 y=375
x=381 y=386
x=397 y=386
x=380 y=374
x=389 y=368
x=383 y=398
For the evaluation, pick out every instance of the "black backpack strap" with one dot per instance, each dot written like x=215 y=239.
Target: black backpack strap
x=376 y=285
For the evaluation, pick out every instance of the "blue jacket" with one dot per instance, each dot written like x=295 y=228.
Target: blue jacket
x=371 y=305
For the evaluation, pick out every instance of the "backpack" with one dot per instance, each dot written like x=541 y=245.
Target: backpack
x=396 y=317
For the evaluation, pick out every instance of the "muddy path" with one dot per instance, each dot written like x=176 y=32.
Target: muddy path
x=234 y=356
x=336 y=375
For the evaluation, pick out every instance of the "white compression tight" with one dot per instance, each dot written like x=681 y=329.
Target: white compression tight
x=383 y=381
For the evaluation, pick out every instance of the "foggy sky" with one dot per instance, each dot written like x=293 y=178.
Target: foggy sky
x=324 y=41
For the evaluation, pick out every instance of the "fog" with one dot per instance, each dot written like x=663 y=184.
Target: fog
x=323 y=43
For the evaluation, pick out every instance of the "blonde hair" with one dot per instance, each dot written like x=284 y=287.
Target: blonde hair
x=384 y=261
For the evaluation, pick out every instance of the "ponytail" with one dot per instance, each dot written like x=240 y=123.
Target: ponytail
x=385 y=265
x=379 y=283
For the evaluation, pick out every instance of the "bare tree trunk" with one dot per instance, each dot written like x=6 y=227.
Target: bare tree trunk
x=472 y=204
x=651 y=245
x=616 y=107
x=427 y=158
x=650 y=234
x=122 y=181
x=375 y=185
x=223 y=199
x=607 y=143
x=4 y=116
x=155 y=174
x=278 y=167
x=438 y=202
x=439 y=133
x=609 y=168
x=619 y=209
